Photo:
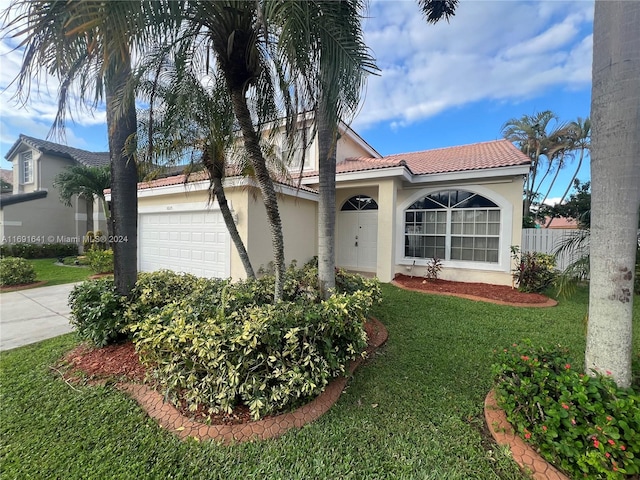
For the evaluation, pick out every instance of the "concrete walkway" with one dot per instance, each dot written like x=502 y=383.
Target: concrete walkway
x=28 y=316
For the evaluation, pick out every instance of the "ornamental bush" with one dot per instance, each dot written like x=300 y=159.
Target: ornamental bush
x=534 y=271
x=38 y=250
x=16 y=271
x=227 y=344
x=585 y=425
x=154 y=290
x=100 y=261
x=97 y=312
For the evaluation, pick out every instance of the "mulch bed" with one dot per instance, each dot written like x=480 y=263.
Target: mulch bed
x=501 y=293
x=121 y=363
x=22 y=286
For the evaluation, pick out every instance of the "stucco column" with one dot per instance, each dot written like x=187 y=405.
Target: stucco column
x=387 y=191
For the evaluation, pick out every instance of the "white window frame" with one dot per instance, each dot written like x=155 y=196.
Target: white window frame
x=26 y=159
x=505 y=236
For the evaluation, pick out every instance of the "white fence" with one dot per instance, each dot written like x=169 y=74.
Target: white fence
x=547 y=240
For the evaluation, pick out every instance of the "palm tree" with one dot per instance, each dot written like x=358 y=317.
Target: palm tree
x=240 y=38
x=530 y=133
x=330 y=54
x=88 y=182
x=87 y=45
x=615 y=187
x=195 y=118
x=579 y=133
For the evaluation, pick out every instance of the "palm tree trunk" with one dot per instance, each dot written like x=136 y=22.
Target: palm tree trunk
x=252 y=146
x=327 y=205
x=121 y=124
x=218 y=191
x=615 y=187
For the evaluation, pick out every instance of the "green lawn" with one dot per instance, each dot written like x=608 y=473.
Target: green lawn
x=413 y=411
x=46 y=269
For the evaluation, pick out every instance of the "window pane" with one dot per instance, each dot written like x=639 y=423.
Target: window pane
x=458 y=196
x=440 y=252
x=409 y=217
x=493 y=243
x=479 y=255
x=467 y=228
x=456 y=242
x=441 y=228
x=456 y=228
x=493 y=229
x=467 y=242
x=481 y=229
x=481 y=216
x=494 y=215
x=480 y=243
x=441 y=197
x=492 y=256
x=467 y=254
x=430 y=228
x=456 y=253
x=456 y=216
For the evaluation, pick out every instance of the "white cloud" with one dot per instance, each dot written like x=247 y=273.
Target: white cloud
x=491 y=50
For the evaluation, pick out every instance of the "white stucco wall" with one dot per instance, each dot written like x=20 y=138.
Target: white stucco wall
x=299 y=228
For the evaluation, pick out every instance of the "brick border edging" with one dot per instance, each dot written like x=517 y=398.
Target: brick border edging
x=549 y=303
x=524 y=455
x=170 y=418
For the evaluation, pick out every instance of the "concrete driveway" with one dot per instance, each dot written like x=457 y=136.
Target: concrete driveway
x=28 y=316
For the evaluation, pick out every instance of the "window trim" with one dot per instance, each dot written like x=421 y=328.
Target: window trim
x=23 y=170
x=505 y=236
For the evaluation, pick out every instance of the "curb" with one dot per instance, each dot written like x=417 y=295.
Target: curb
x=170 y=418
x=524 y=455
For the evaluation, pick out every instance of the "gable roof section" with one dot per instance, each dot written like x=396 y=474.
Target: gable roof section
x=84 y=157
x=476 y=156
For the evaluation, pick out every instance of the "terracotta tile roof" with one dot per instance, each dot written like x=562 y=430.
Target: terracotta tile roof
x=89 y=159
x=203 y=175
x=476 y=156
x=559 y=222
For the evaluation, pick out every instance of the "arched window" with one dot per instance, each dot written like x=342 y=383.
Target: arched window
x=453 y=225
x=359 y=202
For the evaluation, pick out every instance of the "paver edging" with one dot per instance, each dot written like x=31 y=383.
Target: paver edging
x=170 y=418
x=549 y=303
x=524 y=455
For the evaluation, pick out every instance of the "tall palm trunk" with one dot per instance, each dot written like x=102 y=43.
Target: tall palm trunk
x=269 y=197
x=121 y=124
x=615 y=186
x=327 y=204
x=218 y=191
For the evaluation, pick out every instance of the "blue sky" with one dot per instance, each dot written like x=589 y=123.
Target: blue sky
x=440 y=85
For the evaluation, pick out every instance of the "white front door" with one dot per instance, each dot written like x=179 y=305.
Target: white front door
x=358 y=240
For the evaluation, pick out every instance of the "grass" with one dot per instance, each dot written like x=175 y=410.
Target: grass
x=47 y=270
x=412 y=411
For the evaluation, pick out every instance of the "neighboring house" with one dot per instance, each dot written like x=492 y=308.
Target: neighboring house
x=460 y=204
x=559 y=223
x=33 y=212
x=6 y=181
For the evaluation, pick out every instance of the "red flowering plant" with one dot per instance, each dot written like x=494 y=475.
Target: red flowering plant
x=585 y=425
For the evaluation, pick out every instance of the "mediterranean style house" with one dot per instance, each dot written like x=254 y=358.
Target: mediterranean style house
x=462 y=205
x=32 y=212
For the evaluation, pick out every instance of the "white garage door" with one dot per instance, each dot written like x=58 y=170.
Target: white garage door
x=195 y=242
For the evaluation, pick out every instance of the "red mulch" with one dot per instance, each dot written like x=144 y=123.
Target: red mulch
x=502 y=293
x=121 y=362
